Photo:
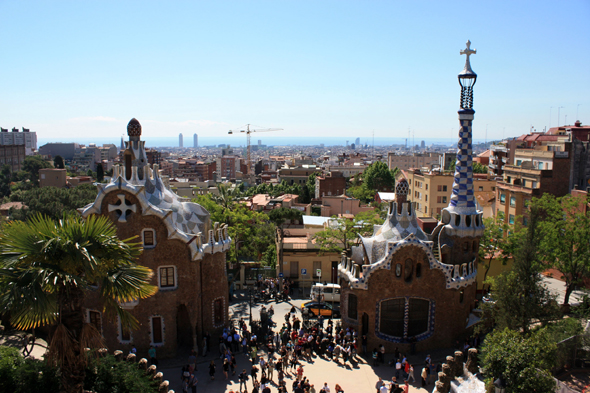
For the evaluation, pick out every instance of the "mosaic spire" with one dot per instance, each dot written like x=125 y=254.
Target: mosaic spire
x=461 y=216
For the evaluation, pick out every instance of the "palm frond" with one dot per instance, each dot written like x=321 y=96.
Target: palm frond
x=126 y=283
x=61 y=349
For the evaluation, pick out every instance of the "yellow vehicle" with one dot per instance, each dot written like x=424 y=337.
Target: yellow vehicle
x=318 y=308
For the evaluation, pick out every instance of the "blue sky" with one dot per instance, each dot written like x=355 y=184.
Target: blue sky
x=329 y=68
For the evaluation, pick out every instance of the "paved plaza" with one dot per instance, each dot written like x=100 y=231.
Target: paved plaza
x=356 y=376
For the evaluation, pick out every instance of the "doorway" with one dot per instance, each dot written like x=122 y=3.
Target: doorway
x=365 y=324
x=184 y=331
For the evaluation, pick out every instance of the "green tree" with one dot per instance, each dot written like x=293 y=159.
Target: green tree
x=566 y=240
x=269 y=258
x=520 y=297
x=311 y=184
x=99 y=173
x=378 y=177
x=58 y=162
x=53 y=202
x=5 y=180
x=305 y=196
x=479 y=168
x=31 y=167
x=523 y=361
x=362 y=193
x=279 y=216
x=46 y=268
x=341 y=233
x=226 y=196
x=492 y=244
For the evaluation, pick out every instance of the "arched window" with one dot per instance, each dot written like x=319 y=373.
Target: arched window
x=408 y=269
x=398 y=270
x=352 y=306
x=461 y=295
x=218 y=312
x=418 y=270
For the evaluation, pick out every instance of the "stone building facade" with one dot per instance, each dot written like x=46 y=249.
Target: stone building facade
x=402 y=287
x=180 y=245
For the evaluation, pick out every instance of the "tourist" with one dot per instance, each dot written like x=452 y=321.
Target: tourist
x=243 y=377
x=152 y=355
x=300 y=373
x=338 y=389
x=382 y=353
x=379 y=384
x=192 y=383
x=424 y=375
x=212 y=369
x=411 y=373
x=192 y=361
x=406 y=386
x=364 y=344
x=383 y=389
x=375 y=357
x=326 y=388
x=398 y=368
x=254 y=373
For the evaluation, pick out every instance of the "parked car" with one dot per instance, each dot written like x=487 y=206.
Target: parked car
x=330 y=292
x=320 y=308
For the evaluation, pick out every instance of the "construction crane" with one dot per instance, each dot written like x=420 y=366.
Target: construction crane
x=248 y=129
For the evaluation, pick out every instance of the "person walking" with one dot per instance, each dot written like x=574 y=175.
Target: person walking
x=192 y=383
x=424 y=375
x=243 y=377
x=378 y=385
x=152 y=355
x=411 y=373
x=212 y=369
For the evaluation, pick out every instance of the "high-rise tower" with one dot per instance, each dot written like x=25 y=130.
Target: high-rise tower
x=180 y=144
x=195 y=141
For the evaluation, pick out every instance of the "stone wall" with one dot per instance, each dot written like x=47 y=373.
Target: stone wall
x=450 y=313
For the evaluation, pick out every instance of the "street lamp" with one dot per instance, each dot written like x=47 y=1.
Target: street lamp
x=467 y=79
x=500 y=385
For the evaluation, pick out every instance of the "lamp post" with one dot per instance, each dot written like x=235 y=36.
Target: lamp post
x=250 y=303
x=467 y=79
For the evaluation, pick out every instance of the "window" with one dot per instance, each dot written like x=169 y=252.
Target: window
x=124 y=332
x=465 y=246
x=512 y=201
x=352 y=306
x=525 y=221
x=427 y=187
x=425 y=209
x=392 y=317
x=408 y=269
x=501 y=215
x=511 y=219
x=480 y=188
x=167 y=277
x=426 y=196
x=461 y=295
x=157 y=333
x=418 y=316
x=418 y=270
x=534 y=185
x=439 y=188
x=398 y=270
x=94 y=319
x=218 y=312
x=149 y=238
x=502 y=198
x=444 y=199
x=444 y=188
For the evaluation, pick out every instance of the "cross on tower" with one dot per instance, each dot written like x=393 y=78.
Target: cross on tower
x=122 y=207
x=468 y=52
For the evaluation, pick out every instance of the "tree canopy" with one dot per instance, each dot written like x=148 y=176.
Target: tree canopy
x=378 y=177
x=566 y=240
x=31 y=168
x=341 y=234
x=52 y=202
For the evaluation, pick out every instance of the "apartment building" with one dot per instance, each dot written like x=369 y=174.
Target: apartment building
x=416 y=160
x=431 y=191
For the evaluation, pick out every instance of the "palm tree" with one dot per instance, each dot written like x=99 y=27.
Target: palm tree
x=46 y=268
x=226 y=197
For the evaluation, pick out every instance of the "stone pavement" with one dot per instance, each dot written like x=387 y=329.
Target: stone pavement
x=358 y=376
x=15 y=339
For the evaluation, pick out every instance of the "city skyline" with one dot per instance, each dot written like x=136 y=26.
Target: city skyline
x=333 y=69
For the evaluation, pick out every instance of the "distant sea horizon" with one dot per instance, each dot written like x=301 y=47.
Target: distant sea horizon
x=155 y=142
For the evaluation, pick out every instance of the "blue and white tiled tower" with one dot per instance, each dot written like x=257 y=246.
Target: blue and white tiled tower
x=461 y=216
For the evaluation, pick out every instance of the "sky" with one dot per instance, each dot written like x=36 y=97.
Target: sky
x=72 y=69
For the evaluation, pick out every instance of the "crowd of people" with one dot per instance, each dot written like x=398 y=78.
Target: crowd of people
x=279 y=356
